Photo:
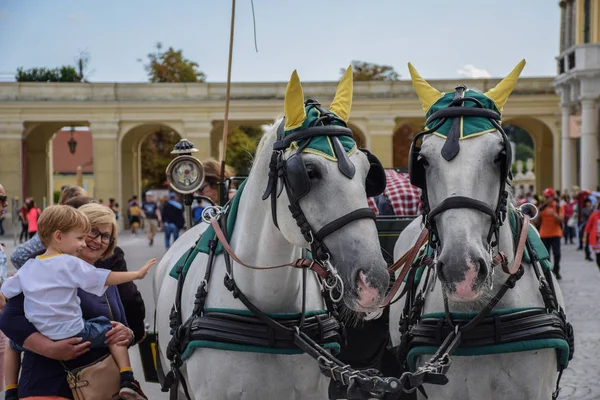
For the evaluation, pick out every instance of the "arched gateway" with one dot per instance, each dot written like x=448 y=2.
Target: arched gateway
x=120 y=115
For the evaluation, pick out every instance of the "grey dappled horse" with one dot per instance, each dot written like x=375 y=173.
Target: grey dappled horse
x=354 y=251
x=473 y=168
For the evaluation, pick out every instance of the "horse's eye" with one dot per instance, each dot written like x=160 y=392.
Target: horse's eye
x=423 y=161
x=499 y=157
x=312 y=172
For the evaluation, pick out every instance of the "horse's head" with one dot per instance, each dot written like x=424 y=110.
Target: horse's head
x=319 y=186
x=462 y=168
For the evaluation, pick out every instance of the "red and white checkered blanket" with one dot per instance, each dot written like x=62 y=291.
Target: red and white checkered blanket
x=404 y=197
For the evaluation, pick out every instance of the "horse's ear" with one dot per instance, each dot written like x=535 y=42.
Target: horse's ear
x=499 y=94
x=293 y=105
x=427 y=93
x=342 y=102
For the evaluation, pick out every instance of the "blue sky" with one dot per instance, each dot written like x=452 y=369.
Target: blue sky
x=442 y=38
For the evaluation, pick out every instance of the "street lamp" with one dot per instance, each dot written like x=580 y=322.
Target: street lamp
x=72 y=142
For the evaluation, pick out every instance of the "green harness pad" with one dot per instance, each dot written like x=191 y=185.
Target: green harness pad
x=469 y=126
x=561 y=345
x=320 y=145
x=208 y=235
x=210 y=344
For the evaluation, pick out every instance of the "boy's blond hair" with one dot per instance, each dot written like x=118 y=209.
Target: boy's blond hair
x=61 y=218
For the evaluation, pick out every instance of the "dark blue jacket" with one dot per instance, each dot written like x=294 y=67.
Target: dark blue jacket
x=41 y=376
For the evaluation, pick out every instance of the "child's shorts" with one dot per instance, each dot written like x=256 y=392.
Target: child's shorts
x=94 y=331
x=15 y=346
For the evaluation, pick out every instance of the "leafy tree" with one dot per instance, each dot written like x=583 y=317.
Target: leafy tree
x=365 y=71
x=171 y=66
x=66 y=73
x=156 y=155
x=241 y=146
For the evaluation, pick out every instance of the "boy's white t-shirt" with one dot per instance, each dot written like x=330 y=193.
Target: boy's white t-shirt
x=50 y=287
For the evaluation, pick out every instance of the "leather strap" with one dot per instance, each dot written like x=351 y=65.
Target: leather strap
x=300 y=263
x=405 y=262
x=344 y=220
x=520 y=249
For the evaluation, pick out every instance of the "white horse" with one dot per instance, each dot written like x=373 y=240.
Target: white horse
x=464 y=265
x=355 y=254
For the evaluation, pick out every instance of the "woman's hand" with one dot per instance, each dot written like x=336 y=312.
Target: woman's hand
x=119 y=335
x=62 y=350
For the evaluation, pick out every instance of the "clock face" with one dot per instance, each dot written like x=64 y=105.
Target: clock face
x=185 y=174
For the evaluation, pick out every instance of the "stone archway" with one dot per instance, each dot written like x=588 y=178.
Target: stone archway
x=37 y=159
x=130 y=145
x=402 y=139
x=543 y=145
x=359 y=136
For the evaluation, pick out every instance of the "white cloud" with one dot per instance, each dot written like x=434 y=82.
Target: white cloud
x=471 y=71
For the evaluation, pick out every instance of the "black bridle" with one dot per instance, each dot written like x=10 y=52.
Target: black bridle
x=455 y=110
x=291 y=175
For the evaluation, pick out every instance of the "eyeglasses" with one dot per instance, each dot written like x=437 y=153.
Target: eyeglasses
x=3 y=198
x=105 y=238
x=206 y=183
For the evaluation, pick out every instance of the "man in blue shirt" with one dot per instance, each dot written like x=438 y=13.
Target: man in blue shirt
x=152 y=217
x=173 y=220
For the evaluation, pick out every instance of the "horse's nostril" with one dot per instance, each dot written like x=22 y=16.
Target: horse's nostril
x=483 y=270
x=440 y=271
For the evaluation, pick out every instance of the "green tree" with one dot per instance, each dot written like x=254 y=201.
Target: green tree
x=156 y=155
x=241 y=146
x=365 y=71
x=171 y=66
x=66 y=73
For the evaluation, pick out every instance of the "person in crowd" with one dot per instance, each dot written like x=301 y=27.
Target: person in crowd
x=33 y=214
x=585 y=214
x=3 y=276
x=135 y=217
x=592 y=235
x=550 y=222
x=569 y=228
x=42 y=373
x=210 y=187
x=152 y=217
x=34 y=246
x=49 y=283
x=23 y=220
x=173 y=220
x=114 y=206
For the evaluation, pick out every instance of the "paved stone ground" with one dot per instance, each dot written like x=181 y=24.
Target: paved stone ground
x=580 y=283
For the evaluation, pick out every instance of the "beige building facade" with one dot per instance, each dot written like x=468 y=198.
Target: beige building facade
x=578 y=84
x=385 y=115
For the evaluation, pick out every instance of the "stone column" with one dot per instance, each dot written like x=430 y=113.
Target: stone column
x=11 y=167
x=107 y=161
x=198 y=132
x=381 y=133
x=589 y=144
x=568 y=153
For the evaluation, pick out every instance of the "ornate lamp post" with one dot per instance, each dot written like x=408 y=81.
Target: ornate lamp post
x=72 y=142
x=185 y=175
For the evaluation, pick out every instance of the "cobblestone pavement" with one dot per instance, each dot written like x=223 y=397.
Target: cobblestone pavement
x=580 y=286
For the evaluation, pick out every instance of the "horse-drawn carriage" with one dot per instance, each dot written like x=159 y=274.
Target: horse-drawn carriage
x=252 y=303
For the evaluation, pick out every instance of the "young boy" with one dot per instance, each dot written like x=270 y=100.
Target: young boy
x=50 y=282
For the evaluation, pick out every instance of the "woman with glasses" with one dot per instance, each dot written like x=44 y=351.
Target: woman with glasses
x=42 y=374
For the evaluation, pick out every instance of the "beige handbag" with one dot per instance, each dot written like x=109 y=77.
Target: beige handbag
x=97 y=381
x=100 y=380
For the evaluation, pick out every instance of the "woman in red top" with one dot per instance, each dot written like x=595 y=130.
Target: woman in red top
x=33 y=214
x=592 y=233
